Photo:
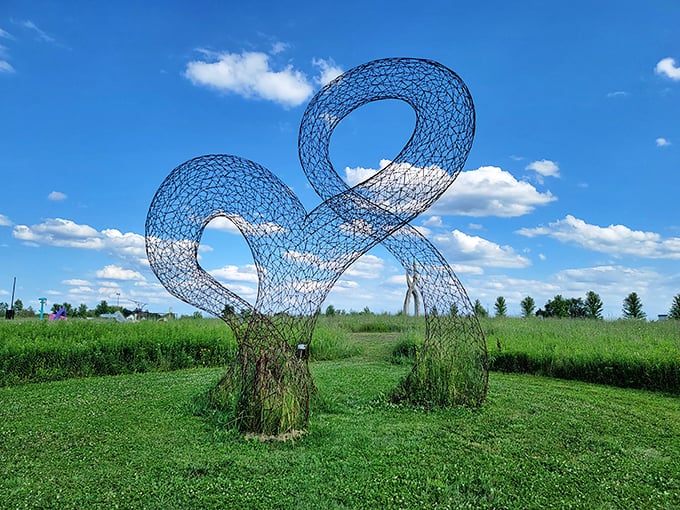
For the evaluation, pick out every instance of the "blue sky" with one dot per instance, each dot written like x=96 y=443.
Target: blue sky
x=571 y=185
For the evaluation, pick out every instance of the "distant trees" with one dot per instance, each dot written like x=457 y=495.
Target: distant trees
x=593 y=305
x=575 y=308
x=555 y=307
x=480 y=311
x=102 y=308
x=500 y=307
x=632 y=307
x=528 y=305
x=82 y=311
x=674 y=312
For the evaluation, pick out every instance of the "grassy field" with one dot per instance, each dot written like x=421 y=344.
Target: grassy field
x=141 y=441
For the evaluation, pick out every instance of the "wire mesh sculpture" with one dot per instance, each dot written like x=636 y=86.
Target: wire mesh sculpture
x=299 y=255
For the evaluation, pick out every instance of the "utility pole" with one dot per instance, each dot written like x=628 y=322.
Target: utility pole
x=9 y=313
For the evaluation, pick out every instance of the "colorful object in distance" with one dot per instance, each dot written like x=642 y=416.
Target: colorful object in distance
x=60 y=315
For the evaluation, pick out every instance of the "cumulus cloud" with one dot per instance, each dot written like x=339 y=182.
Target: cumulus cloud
x=113 y=272
x=490 y=191
x=433 y=221
x=76 y=282
x=614 y=239
x=606 y=278
x=328 y=70
x=354 y=176
x=366 y=266
x=68 y=234
x=56 y=196
x=662 y=142
x=5 y=221
x=460 y=247
x=247 y=273
x=486 y=191
x=249 y=74
x=544 y=167
x=668 y=68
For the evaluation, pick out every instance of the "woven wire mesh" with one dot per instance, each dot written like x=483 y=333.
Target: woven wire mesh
x=299 y=255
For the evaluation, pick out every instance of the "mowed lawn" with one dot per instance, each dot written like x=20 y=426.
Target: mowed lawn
x=134 y=441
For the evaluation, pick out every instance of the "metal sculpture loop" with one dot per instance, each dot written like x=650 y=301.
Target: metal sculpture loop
x=300 y=255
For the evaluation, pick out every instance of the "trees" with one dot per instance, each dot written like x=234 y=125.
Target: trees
x=632 y=307
x=480 y=311
x=576 y=308
x=527 y=305
x=674 y=312
x=593 y=305
x=81 y=311
x=500 y=307
x=555 y=307
x=102 y=307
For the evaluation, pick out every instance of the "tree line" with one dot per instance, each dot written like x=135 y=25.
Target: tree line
x=81 y=311
x=589 y=307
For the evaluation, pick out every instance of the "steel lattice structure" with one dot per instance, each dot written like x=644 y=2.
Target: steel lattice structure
x=299 y=255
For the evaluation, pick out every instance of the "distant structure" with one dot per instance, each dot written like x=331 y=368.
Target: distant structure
x=60 y=315
x=300 y=254
x=42 y=306
x=412 y=292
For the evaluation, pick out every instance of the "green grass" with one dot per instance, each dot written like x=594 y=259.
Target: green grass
x=34 y=351
x=133 y=441
x=624 y=353
x=39 y=351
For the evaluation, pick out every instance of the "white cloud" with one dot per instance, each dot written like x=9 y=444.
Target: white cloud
x=279 y=47
x=366 y=266
x=486 y=191
x=224 y=224
x=6 y=67
x=249 y=75
x=606 y=279
x=114 y=272
x=5 y=34
x=490 y=191
x=544 y=167
x=68 y=234
x=617 y=93
x=328 y=71
x=662 y=142
x=56 y=196
x=228 y=224
x=614 y=239
x=460 y=247
x=247 y=273
x=668 y=68
x=5 y=221
x=433 y=221
x=354 y=176
x=42 y=35
x=75 y=282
